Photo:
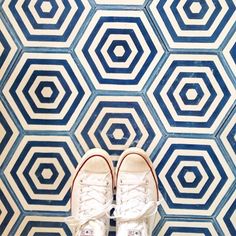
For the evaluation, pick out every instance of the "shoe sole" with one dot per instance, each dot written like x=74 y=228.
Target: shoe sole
x=90 y=154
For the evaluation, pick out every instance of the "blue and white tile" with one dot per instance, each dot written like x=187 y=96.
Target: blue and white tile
x=46 y=23
x=79 y=74
x=40 y=172
x=201 y=24
x=193 y=176
x=192 y=93
x=119 y=50
x=8 y=133
x=228 y=137
x=227 y=216
x=8 y=49
x=46 y=91
x=44 y=225
x=115 y=123
x=9 y=211
x=230 y=53
x=188 y=227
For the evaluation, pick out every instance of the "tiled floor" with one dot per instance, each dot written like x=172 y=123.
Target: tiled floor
x=77 y=74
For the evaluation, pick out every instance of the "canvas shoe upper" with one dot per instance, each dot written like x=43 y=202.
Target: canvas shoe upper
x=137 y=194
x=92 y=195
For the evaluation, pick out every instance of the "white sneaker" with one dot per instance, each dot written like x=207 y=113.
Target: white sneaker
x=92 y=195
x=137 y=194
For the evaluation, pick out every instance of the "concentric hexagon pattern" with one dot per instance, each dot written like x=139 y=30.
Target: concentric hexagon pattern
x=41 y=171
x=155 y=74
x=192 y=179
x=191 y=92
x=131 y=34
x=193 y=23
x=47 y=23
x=115 y=123
x=47 y=91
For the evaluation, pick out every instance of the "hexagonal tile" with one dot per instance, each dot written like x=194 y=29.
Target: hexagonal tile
x=193 y=23
x=36 y=189
x=132 y=31
x=212 y=176
x=115 y=123
x=44 y=23
x=201 y=114
x=58 y=73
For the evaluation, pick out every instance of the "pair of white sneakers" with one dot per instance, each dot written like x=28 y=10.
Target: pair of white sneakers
x=136 y=194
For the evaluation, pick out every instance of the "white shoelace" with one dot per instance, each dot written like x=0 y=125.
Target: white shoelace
x=148 y=209
x=93 y=207
x=134 y=207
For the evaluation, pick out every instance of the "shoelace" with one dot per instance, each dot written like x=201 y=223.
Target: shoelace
x=148 y=210
x=133 y=203
x=90 y=192
x=126 y=212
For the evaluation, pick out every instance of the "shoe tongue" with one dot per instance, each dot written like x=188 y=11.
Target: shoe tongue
x=132 y=229
x=92 y=228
